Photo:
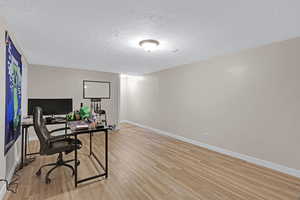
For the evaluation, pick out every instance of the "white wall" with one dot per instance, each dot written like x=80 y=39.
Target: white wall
x=57 y=82
x=123 y=97
x=247 y=102
x=9 y=161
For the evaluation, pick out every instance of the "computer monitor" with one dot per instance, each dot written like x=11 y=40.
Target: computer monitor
x=51 y=106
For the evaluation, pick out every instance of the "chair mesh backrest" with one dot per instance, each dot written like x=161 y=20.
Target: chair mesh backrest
x=41 y=129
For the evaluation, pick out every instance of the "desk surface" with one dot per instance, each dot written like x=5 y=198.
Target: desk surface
x=29 y=122
x=73 y=126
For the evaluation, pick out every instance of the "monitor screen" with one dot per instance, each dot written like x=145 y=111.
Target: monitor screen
x=51 y=106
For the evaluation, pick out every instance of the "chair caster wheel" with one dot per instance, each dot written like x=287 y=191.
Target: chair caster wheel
x=78 y=163
x=38 y=173
x=48 y=180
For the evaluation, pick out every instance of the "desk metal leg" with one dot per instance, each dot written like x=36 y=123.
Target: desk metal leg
x=106 y=153
x=91 y=142
x=26 y=142
x=24 y=145
x=76 y=161
x=105 y=174
x=22 y=148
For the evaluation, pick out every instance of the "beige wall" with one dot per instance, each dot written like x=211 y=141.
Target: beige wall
x=57 y=82
x=9 y=161
x=247 y=102
x=123 y=98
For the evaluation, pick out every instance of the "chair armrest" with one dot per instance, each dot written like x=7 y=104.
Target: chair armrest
x=59 y=129
x=59 y=137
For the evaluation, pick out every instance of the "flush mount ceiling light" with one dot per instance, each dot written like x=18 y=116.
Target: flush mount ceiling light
x=149 y=45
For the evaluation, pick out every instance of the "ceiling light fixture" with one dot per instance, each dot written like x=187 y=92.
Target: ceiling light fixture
x=149 y=45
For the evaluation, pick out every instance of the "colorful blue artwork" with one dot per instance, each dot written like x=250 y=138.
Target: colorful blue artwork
x=13 y=94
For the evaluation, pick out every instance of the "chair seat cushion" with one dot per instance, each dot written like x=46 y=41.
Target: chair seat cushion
x=66 y=145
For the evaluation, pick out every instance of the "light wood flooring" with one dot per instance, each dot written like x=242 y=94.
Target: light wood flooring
x=145 y=166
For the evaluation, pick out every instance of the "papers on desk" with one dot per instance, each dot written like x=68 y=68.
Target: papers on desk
x=78 y=125
x=82 y=126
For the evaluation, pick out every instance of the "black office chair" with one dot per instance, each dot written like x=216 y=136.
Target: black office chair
x=50 y=145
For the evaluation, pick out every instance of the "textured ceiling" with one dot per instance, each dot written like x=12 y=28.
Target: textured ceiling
x=104 y=35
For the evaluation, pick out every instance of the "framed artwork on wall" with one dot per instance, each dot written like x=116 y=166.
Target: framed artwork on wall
x=13 y=93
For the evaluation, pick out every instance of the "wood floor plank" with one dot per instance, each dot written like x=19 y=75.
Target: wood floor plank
x=148 y=166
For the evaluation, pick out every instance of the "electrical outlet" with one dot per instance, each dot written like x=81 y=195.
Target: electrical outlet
x=205 y=133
